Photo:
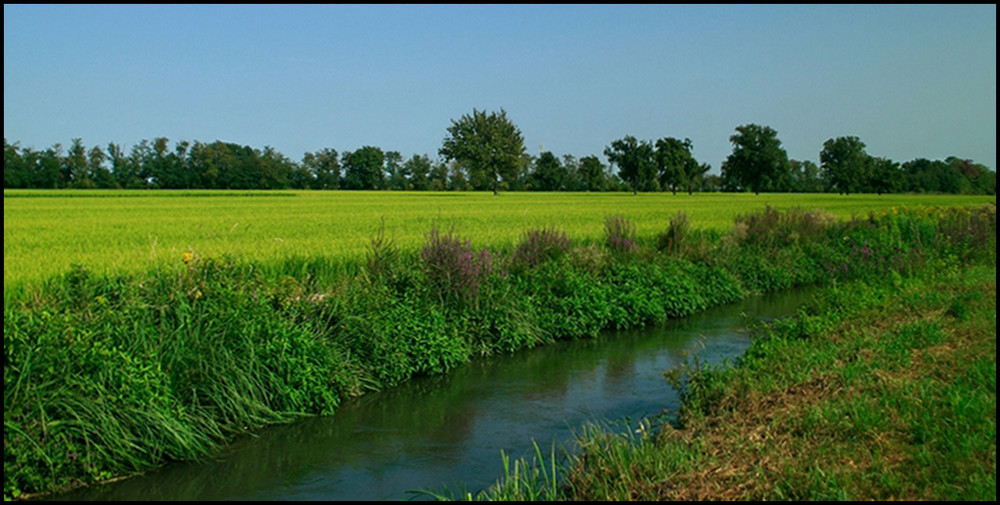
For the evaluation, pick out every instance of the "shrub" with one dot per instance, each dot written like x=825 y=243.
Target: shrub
x=540 y=246
x=773 y=228
x=620 y=235
x=454 y=271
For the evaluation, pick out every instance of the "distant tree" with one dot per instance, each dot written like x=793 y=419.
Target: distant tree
x=396 y=174
x=592 y=172
x=522 y=176
x=126 y=174
x=419 y=169
x=572 y=181
x=805 y=177
x=695 y=175
x=845 y=164
x=979 y=179
x=437 y=179
x=458 y=177
x=97 y=172
x=635 y=162
x=363 y=168
x=758 y=161
x=485 y=143
x=275 y=168
x=49 y=171
x=549 y=174
x=74 y=166
x=324 y=165
x=673 y=158
x=712 y=183
x=885 y=175
x=301 y=177
x=16 y=173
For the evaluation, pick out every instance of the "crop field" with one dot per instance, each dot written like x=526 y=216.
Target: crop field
x=46 y=232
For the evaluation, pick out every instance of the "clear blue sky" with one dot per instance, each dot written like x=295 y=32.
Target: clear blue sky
x=910 y=80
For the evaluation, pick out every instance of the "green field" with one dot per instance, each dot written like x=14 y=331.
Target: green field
x=45 y=232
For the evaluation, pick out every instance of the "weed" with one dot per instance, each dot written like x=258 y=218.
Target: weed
x=619 y=234
x=540 y=246
x=454 y=270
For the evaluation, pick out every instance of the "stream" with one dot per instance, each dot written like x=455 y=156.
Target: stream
x=446 y=433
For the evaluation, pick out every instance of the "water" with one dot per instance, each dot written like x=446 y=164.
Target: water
x=438 y=433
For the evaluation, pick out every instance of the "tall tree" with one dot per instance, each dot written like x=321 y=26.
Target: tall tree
x=758 y=161
x=674 y=163
x=695 y=176
x=845 y=164
x=635 y=162
x=397 y=176
x=886 y=175
x=419 y=169
x=549 y=173
x=324 y=165
x=15 y=171
x=363 y=168
x=486 y=143
x=97 y=173
x=805 y=176
x=592 y=171
x=75 y=164
x=437 y=179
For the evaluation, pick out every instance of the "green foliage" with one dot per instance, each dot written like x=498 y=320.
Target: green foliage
x=676 y=167
x=758 y=162
x=488 y=143
x=107 y=375
x=635 y=161
x=363 y=168
x=845 y=164
x=549 y=174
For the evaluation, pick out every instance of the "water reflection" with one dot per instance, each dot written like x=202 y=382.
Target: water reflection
x=449 y=431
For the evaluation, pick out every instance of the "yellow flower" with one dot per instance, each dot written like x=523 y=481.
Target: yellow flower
x=187 y=257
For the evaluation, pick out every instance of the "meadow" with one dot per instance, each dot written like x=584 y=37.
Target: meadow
x=46 y=232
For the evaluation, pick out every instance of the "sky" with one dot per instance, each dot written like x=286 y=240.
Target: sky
x=911 y=81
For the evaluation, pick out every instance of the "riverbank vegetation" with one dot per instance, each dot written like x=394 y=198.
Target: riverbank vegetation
x=107 y=375
x=881 y=388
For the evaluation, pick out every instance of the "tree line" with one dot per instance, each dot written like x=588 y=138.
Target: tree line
x=485 y=152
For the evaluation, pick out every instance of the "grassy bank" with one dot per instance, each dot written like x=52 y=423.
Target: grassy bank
x=880 y=389
x=107 y=375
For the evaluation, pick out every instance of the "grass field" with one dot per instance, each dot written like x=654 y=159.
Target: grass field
x=45 y=232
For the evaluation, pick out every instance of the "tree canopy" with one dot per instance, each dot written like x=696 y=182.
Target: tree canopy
x=845 y=164
x=641 y=166
x=758 y=161
x=635 y=161
x=487 y=144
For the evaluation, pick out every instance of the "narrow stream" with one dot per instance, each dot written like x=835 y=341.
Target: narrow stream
x=443 y=432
